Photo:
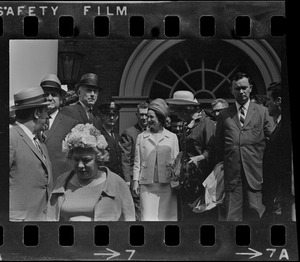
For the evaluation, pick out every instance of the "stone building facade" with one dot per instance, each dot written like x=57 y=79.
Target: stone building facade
x=134 y=70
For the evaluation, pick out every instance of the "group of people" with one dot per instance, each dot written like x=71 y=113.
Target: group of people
x=65 y=162
x=69 y=163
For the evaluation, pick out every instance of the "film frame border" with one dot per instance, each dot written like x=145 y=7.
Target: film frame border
x=259 y=29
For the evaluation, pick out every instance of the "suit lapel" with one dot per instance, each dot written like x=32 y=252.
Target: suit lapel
x=250 y=113
x=147 y=135
x=56 y=122
x=82 y=112
x=164 y=135
x=152 y=140
x=28 y=141
x=235 y=116
x=276 y=130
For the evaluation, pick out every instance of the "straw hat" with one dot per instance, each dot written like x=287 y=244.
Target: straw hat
x=51 y=81
x=183 y=97
x=29 y=98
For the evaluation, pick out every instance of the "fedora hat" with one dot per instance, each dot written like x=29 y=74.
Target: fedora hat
x=109 y=107
x=89 y=79
x=29 y=98
x=183 y=97
x=51 y=81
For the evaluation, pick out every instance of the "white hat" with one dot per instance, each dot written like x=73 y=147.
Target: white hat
x=183 y=97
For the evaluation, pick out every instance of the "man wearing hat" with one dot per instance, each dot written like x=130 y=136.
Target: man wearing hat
x=59 y=125
x=109 y=115
x=197 y=144
x=30 y=172
x=87 y=90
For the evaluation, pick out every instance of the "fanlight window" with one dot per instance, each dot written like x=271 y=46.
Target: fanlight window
x=205 y=68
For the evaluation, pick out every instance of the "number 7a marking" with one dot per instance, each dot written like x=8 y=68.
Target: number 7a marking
x=132 y=251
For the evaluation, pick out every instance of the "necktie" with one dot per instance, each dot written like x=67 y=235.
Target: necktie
x=37 y=144
x=91 y=116
x=50 y=122
x=242 y=116
x=112 y=134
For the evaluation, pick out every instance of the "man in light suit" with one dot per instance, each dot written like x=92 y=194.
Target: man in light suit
x=30 y=173
x=240 y=141
x=59 y=125
x=87 y=90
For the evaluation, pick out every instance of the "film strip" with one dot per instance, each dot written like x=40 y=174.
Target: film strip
x=142 y=51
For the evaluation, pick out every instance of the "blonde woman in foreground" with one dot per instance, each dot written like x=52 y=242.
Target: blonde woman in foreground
x=89 y=192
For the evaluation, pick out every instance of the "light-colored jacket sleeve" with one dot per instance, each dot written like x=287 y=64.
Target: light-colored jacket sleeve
x=127 y=205
x=137 y=158
x=175 y=150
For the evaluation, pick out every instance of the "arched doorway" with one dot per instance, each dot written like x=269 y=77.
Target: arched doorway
x=157 y=68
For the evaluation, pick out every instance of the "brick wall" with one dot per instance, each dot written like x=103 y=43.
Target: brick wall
x=107 y=59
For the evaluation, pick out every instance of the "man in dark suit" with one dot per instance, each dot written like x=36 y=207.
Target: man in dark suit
x=87 y=90
x=59 y=125
x=277 y=196
x=240 y=140
x=30 y=173
x=109 y=116
x=128 y=141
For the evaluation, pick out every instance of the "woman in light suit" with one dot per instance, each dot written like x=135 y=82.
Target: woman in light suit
x=156 y=150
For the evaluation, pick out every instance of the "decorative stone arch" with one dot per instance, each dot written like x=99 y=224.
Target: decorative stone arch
x=135 y=85
x=135 y=73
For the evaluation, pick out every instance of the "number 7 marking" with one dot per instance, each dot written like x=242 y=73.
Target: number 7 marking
x=272 y=250
x=132 y=251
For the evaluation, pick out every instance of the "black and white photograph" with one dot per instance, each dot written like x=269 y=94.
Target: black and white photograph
x=141 y=145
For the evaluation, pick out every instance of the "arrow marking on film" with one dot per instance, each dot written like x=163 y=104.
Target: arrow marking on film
x=254 y=254
x=111 y=253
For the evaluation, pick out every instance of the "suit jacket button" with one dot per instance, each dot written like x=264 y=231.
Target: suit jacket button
x=44 y=211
